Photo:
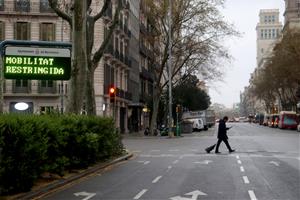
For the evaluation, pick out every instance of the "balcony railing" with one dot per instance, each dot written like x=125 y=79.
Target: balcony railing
x=17 y=89
x=49 y=90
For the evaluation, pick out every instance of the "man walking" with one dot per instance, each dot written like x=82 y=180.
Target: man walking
x=222 y=135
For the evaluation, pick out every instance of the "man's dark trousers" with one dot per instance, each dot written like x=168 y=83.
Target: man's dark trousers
x=225 y=141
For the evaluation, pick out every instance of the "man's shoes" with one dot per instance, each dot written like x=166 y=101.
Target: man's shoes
x=207 y=151
x=232 y=150
x=217 y=152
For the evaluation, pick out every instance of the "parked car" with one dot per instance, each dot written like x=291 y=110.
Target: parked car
x=288 y=119
x=273 y=120
x=197 y=124
x=259 y=118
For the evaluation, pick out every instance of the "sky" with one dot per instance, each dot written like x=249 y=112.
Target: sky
x=245 y=16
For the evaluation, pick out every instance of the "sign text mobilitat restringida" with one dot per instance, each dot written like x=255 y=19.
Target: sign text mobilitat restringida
x=37 y=63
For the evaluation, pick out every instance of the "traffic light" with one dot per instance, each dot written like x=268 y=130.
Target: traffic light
x=112 y=93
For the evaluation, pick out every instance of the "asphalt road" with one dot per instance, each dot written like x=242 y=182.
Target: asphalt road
x=265 y=166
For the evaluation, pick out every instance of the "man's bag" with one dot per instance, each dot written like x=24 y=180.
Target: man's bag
x=209 y=149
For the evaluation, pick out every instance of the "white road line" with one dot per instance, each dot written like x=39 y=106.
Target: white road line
x=155 y=150
x=140 y=194
x=252 y=195
x=237 y=157
x=246 y=180
x=156 y=179
x=242 y=169
x=176 y=161
x=173 y=150
x=239 y=161
x=146 y=162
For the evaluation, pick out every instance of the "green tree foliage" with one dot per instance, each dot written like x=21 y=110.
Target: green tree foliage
x=189 y=95
x=280 y=77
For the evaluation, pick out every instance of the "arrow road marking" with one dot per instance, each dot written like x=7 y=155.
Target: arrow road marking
x=194 y=195
x=203 y=162
x=88 y=195
x=275 y=163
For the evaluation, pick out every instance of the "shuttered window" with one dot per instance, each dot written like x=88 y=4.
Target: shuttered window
x=47 y=32
x=22 y=31
x=2 y=31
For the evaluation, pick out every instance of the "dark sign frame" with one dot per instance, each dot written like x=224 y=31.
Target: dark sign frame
x=36 y=66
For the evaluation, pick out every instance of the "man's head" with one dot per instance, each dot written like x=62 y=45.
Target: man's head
x=225 y=119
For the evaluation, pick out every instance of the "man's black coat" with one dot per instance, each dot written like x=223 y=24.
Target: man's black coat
x=222 y=132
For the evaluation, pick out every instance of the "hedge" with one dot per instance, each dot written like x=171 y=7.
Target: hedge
x=34 y=144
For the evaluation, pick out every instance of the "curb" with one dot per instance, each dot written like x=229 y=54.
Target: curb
x=59 y=183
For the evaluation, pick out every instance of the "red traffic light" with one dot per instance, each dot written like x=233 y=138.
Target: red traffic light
x=112 y=90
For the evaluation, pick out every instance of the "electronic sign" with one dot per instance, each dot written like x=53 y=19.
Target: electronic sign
x=37 y=63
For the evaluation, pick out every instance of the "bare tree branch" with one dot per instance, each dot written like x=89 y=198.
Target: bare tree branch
x=54 y=5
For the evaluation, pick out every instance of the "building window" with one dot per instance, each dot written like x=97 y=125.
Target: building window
x=270 y=33
x=47 y=83
x=45 y=7
x=1 y=5
x=265 y=34
x=273 y=18
x=47 y=32
x=2 y=31
x=273 y=33
x=21 y=83
x=262 y=50
x=46 y=109
x=22 y=5
x=22 y=31
x=262 y=34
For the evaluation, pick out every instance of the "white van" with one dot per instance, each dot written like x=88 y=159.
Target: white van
x=197 y=124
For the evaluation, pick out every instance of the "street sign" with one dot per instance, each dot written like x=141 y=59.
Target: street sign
x=37 y=63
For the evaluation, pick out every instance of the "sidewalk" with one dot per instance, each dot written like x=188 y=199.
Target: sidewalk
x=39 y=192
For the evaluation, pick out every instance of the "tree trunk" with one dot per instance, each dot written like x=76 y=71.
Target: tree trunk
x=79 y=58
x=90 y=91
x=156 y=99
